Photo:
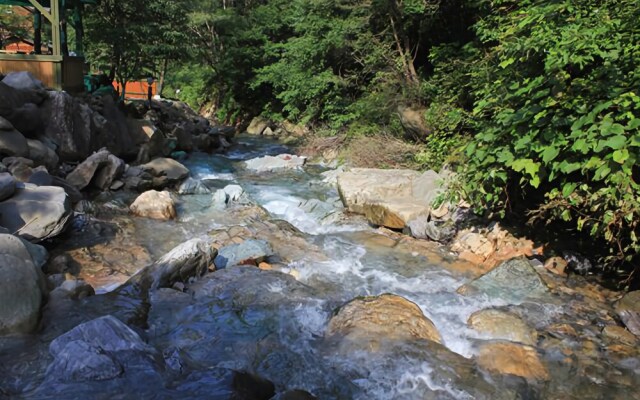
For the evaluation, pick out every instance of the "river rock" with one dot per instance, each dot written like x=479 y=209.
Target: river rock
x=359 y=186
x=183 y=138
x=497 y=324
x=619 y=334
x=294 y=395
x=13 y=144
x=190 y=259
x=68 y=125
x=219 y=199
x=413 y=122
x=154 y=204
x=36 y=212
x=628 y=309
x=249 y=252
x=82 y=175
x=424 y=227
x=513 y=359
x=98 y=350
x=513 y=281
x=270 y=163
x=42 y=178
x=370 y=320
x=23 y=80
x=21 y=287
x=7 y=185
x=257 y=126
x=427 y=187
x=76 y=289
x=42 y=155
x=234 y=192
x=193 y=186
x=394 y=213
x=109 y=173
x=167 y=167
x=317 y=208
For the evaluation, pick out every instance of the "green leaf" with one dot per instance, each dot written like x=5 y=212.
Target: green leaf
x=568 y=188
x=614 y=142
x=620 y=156
x=550 y=153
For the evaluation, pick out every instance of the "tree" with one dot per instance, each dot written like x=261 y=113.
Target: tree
x=133 y=37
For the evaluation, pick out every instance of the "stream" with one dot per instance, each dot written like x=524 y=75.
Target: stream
x=273 y=323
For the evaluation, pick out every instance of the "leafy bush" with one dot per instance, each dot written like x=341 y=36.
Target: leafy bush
x=558 y=112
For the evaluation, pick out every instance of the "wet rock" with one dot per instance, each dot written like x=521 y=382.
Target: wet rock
x=497 y=324
x=491 y=246
x=7 y=185
x=192 y=258
x=317 y=208
x=257 y=126
x=193 y=186
x=154 y=204
x=42 y=154
x=234 y=192
x=183 y=137
x=148 y=137
x=36 y=212
x=513 y=359
x=370 y=321
x=249 y=252
x=167 y=167
x=219 y=199
x=39 y=254
x=98 y=350
x=474 y=243
x=21 y=287
x=138 y=180
x=513 y=281
x=60 y=264
x=628 y=309
x=362 y=185
x=270 y=163
x=13 y=143
x=23 y=80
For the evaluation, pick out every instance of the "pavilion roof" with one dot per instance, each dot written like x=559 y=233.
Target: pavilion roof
x=45 y=3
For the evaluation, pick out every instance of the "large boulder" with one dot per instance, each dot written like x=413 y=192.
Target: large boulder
x=370 y=321
x=42 y=154
x=497 y=324
x=42 y=178
x=68 y=125
x=359 y=186
x=628 y=308
x=190 y=259
x=99 y=169
x=413 y=122
x=154 y=204
x=270 y=163
x=21 y=287
x=512 y=359
x=36 y=213
x=173 y=171
x=513 y=281
x=257 y=126
x=23 y=80
x=12 y=142
x=394 y=213
x=149 y=138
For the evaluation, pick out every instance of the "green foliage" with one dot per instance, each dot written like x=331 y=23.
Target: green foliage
x=558 y=114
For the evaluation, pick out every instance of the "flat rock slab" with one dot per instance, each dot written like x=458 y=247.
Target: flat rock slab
x=512 y=359
x=36 y=212
x=248 y=252
x=628 y=308
x=360 y=186
x=497 y=324
x=173 y=170
x=513 y=281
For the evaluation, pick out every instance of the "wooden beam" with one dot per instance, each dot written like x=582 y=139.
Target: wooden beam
x=43 y=10
x=56 y=35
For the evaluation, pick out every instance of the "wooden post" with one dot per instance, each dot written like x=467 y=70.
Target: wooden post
x=37 y=32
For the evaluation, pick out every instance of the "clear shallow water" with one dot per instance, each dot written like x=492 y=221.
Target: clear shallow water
x=274 y=325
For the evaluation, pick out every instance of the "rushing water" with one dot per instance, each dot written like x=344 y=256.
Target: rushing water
x=266 y=324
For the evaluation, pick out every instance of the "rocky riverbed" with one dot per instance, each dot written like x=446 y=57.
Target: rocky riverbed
x=252 y=273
